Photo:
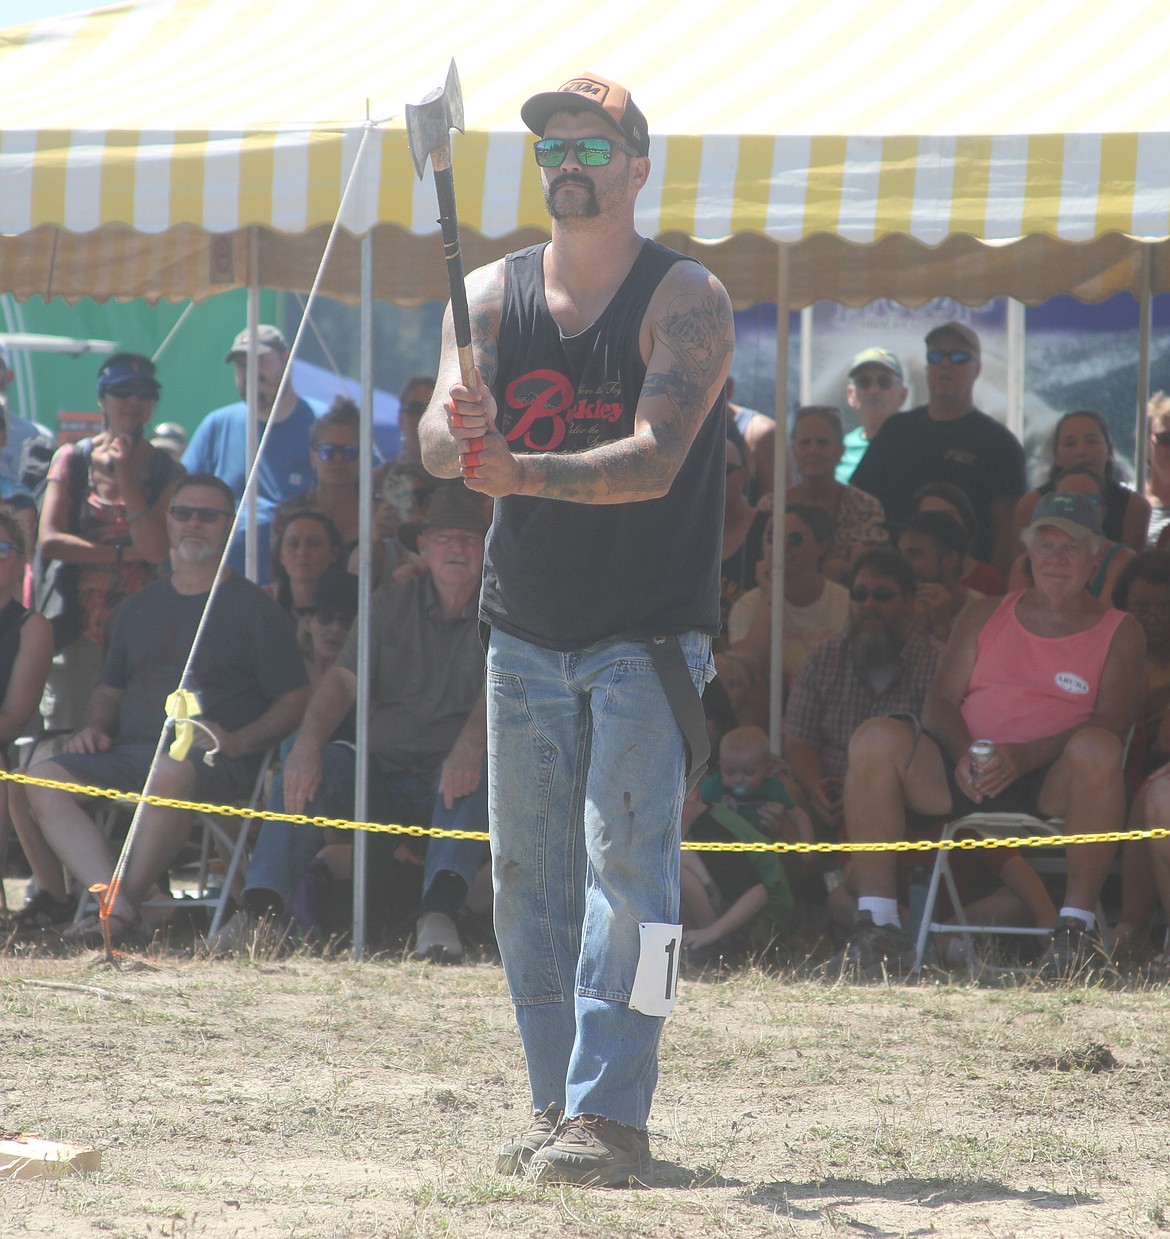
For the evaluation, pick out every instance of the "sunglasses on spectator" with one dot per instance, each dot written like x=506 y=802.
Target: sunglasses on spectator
x=337 y=451
x=864 y=381
x=325 y=616
x=881 y=594
x=733 y=467
x=956 y=356
x=7 y=548
x=794 y=539
x=591 y=152
x=123 y=391
x=414 y=408
x=183 y=513
x=1162 y=438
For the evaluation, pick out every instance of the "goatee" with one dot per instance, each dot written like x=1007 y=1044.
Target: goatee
x=571 y=207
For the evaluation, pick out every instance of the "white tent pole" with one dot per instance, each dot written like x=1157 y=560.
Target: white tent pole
x=1015 y=367
x=365 y=542
x=1142 y=431
x=806 y=358
x=779 y=489
x=252 y=399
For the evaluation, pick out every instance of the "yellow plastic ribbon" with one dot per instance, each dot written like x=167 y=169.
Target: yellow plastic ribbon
x=183 y=704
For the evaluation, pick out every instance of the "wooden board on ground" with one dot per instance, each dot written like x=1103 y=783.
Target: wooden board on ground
x=29 y=1157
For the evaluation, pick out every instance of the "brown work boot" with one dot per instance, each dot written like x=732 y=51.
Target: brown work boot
x=513 y=1157
x=594 y=1152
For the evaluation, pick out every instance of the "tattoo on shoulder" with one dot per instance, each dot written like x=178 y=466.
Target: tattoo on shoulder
x=699 y=332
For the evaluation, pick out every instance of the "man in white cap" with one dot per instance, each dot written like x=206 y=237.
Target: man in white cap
x=949 y=440
x=876 y=391
x=219 y=444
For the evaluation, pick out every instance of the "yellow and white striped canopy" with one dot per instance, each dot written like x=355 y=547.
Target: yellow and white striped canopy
x=897 y=147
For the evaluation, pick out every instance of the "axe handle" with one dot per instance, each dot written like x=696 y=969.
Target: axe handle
x=461 y=318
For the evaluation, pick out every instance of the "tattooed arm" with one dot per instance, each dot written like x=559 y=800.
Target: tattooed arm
x=688 y=338
x=438 y=434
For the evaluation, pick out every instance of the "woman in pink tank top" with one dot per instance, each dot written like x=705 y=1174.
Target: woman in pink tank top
x=1032 y=667
x=1054 y=677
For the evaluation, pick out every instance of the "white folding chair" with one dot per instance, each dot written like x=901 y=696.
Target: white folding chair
x=226 y=836
x=987 y=826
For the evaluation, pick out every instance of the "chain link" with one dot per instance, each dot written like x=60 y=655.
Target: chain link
x=340 y=823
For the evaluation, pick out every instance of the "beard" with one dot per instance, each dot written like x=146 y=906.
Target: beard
x=876 y=650
x=193 y=551
x=571 y=207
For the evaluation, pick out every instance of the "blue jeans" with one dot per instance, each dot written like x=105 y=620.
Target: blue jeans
x=283 y=851
x=586 y=792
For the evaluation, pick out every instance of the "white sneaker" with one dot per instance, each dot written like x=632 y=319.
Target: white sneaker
x=437 y=939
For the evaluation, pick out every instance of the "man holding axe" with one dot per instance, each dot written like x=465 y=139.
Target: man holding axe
x=595 y=418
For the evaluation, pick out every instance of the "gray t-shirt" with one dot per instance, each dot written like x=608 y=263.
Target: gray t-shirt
x=426 y=673
x=247 y=655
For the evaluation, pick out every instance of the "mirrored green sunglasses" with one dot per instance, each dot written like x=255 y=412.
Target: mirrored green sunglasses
x=591 y=152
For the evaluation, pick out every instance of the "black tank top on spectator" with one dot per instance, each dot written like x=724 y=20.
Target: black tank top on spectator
x=12 y=617
x=565 y=575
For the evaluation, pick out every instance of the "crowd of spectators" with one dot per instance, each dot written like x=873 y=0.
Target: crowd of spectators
x=929 y=600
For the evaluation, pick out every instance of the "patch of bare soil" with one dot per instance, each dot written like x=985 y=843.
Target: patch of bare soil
x=322 y=1098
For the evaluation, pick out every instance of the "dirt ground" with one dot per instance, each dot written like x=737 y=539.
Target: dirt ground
x=311 y=1097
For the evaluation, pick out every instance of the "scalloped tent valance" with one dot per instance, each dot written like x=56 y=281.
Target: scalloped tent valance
x=157 y=148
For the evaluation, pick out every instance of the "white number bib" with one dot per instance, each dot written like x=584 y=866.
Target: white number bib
x=656 y=980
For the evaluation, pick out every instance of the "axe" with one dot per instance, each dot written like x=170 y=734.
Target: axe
x=428 y=132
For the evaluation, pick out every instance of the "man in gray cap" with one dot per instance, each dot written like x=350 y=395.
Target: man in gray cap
x=219 y=444
x=949 y=440
x=876 y=390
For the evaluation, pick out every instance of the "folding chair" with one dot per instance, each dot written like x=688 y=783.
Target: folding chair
x=228 y=834
x=987 y=826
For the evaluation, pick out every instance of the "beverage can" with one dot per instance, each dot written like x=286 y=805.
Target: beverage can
x=980 y=752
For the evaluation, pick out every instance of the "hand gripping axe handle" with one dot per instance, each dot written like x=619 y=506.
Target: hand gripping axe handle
x=428 y=132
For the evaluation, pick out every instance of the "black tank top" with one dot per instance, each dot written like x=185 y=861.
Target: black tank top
x=12 y=617
x=565 y=575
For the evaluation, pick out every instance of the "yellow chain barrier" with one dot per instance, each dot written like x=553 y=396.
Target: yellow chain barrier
x=338 y=823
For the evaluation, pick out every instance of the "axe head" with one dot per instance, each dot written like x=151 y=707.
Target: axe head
x=429 y=124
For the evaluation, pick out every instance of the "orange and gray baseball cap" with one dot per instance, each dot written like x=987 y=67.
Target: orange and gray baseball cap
x=877 y=357
x=590 y=93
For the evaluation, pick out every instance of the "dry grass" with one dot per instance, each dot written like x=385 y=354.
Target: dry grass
x=322 y=1098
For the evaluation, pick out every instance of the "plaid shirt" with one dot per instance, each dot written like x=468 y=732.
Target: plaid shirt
x=829 y=700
